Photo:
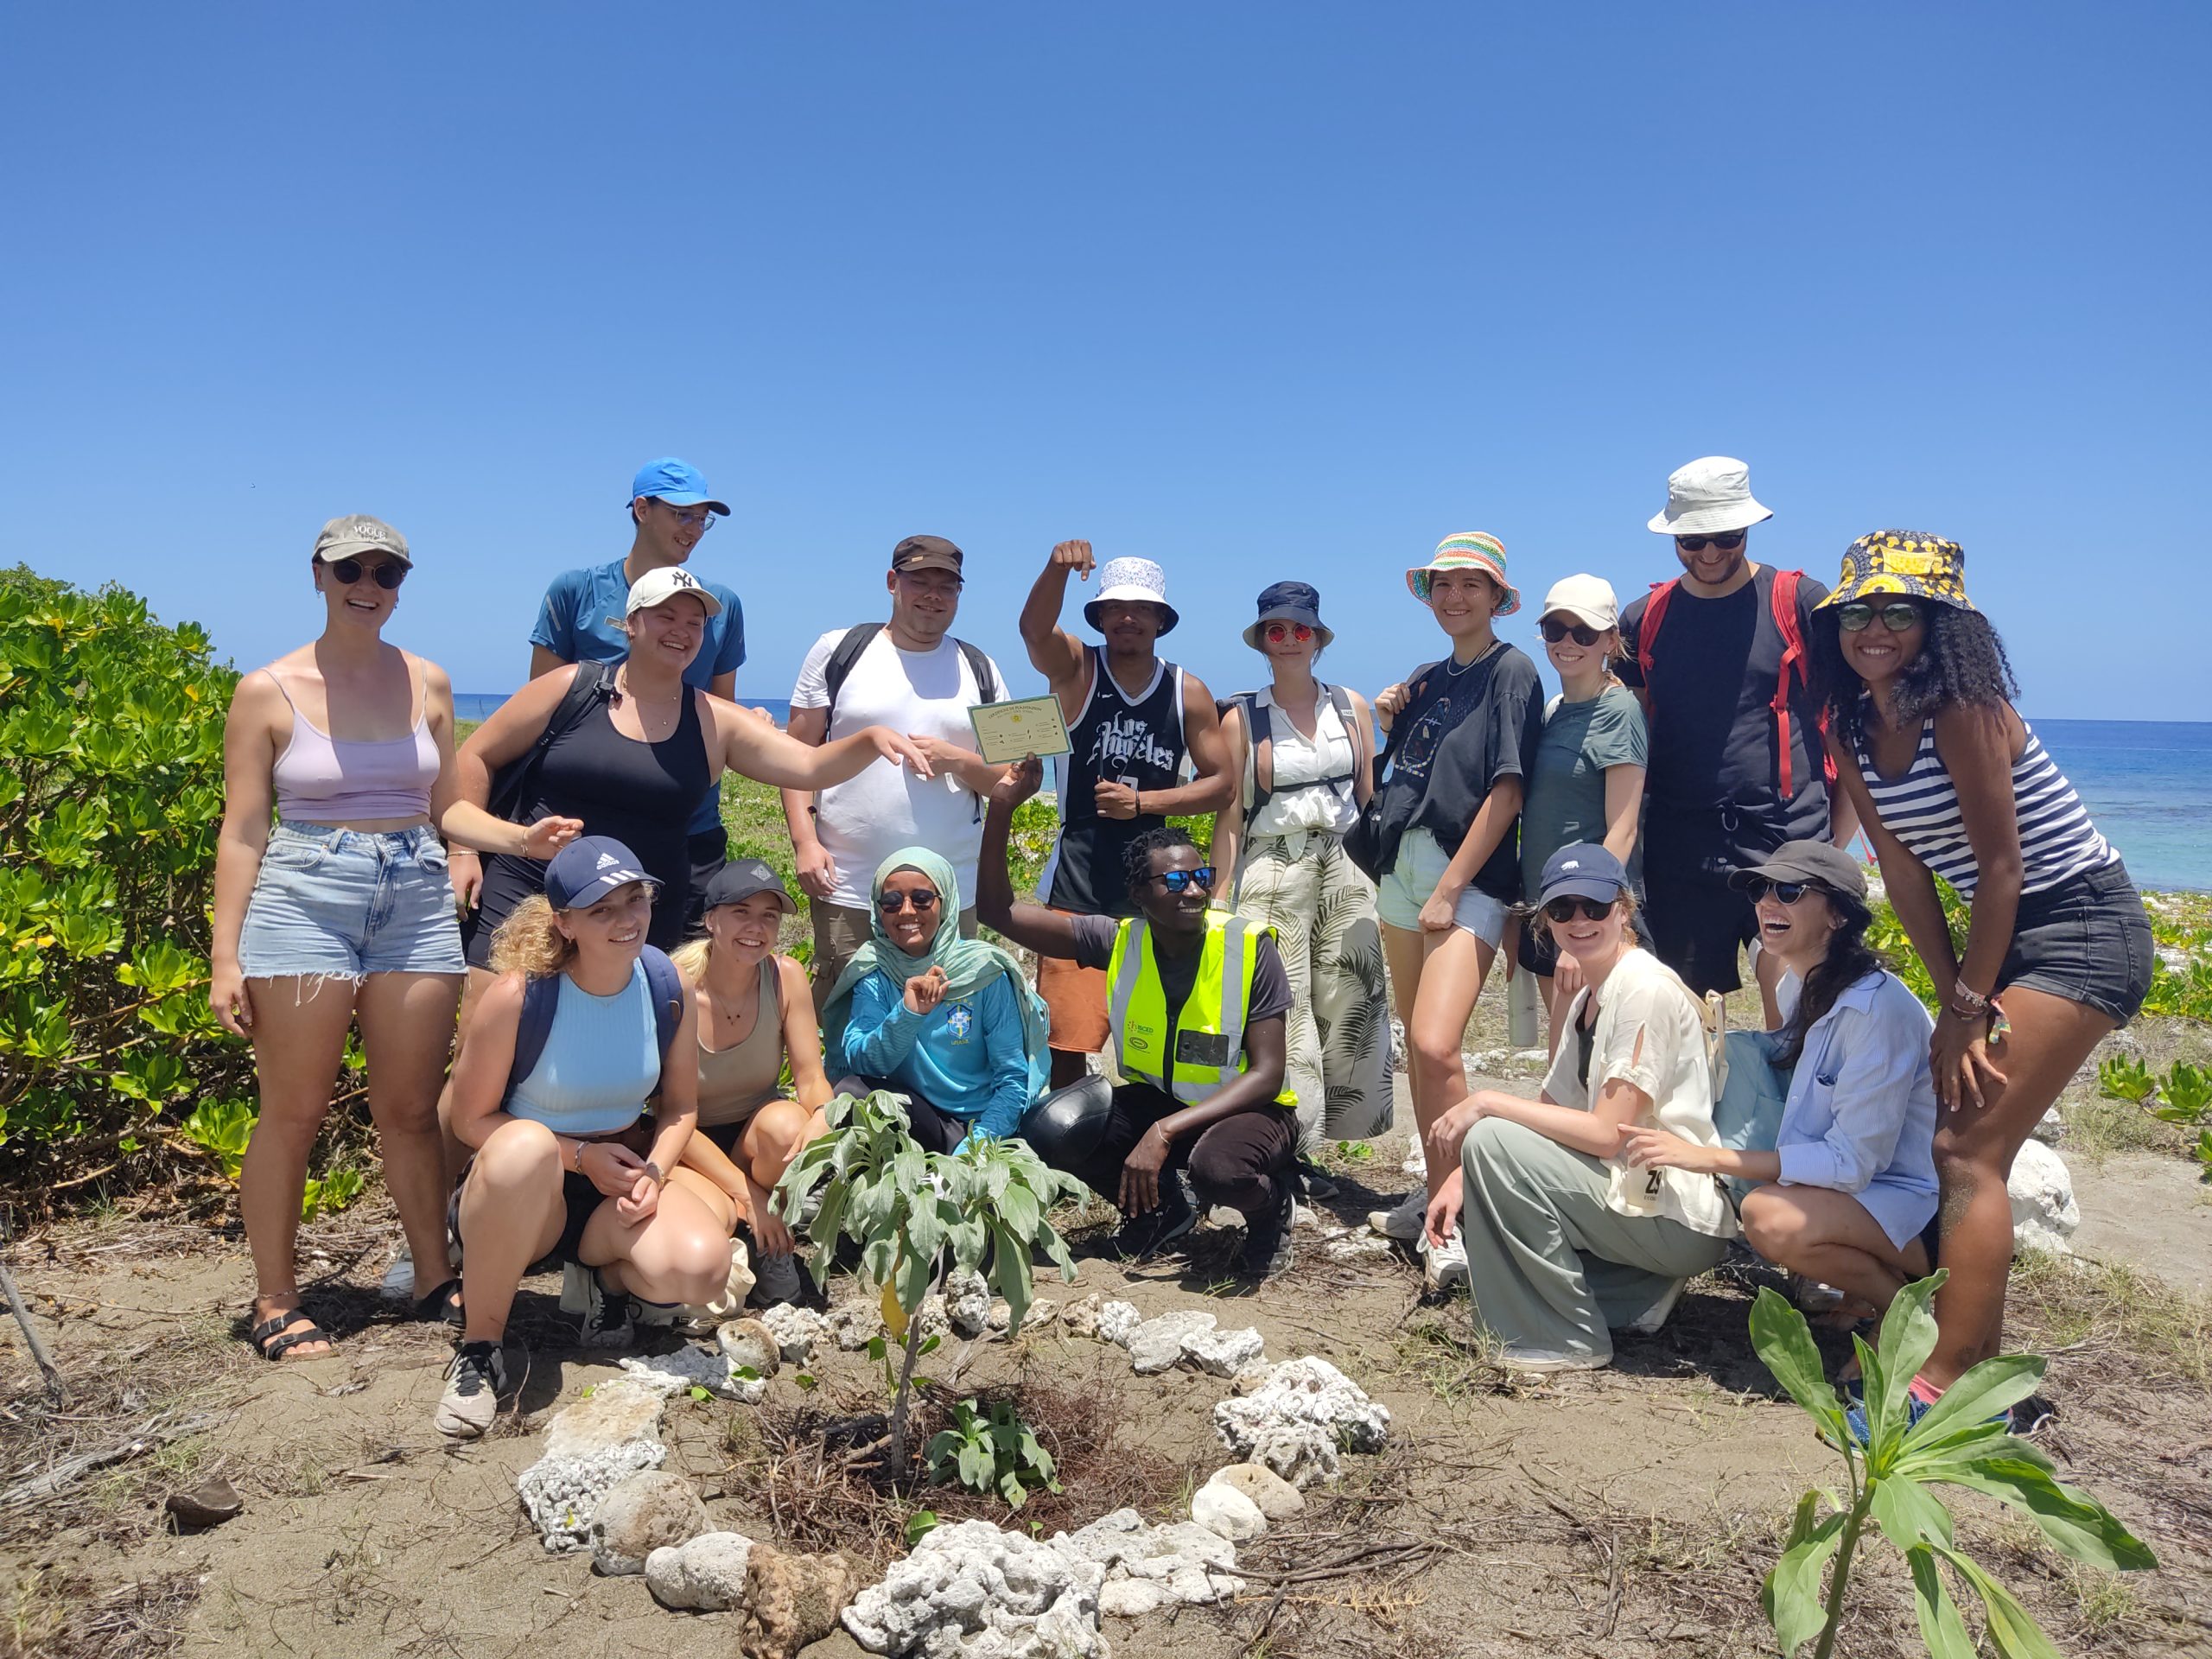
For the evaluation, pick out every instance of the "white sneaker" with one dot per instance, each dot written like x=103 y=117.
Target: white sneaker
x=1650 y=1322
x=1405 y=1221
x=1447 y=1263
x=474 y=1381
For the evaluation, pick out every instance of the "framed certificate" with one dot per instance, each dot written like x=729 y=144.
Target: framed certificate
x=1005 y=731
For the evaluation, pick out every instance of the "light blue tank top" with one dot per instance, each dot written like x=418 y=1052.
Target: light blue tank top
x=602 y=1060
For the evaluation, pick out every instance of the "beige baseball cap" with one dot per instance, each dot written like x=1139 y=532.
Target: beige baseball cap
x=659 y=586
x=358 y=533
x=1589 y=599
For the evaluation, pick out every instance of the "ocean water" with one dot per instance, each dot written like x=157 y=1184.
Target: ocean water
x=2148 y=784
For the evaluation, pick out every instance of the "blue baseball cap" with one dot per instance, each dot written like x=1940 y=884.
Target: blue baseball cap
x=678 y=483
x=588 y=869
x=1582 y=869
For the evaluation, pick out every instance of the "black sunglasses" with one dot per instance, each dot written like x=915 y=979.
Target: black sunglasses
x=891 y=903
x=1900 y=616
x=389 y=574
x=1590 y=910
x=1727 y=541
x=1177 y=881
x=1784 y=893
x=1555 y=632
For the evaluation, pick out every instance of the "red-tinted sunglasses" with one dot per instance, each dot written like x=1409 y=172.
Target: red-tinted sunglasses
x=1276 y=633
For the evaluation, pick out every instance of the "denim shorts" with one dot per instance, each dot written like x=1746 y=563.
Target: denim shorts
x=2088 y=939
x=1409 y=883
x=340 y=904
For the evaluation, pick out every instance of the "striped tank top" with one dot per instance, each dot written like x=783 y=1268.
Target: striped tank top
x=1922 y=810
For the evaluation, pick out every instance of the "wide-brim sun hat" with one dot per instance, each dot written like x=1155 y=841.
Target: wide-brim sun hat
x=1468 y=549
x=1910 y=564
x=1589 y=599
x=1711 y=493
x=1293 y=602
x=1140 y=579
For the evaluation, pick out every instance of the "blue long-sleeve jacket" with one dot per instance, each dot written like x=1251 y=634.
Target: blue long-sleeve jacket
x=964 y=1056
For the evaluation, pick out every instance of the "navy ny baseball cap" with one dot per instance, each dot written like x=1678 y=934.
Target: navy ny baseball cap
x=588 y=869
x=677 y=482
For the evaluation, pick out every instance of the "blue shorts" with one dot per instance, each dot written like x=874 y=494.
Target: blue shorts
x=339 y=904
x=1409 y=883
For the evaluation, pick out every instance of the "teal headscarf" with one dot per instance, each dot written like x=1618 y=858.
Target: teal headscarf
x=969 y=964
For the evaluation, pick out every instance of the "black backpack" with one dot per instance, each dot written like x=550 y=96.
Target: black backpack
x=593 y=685
x=541 y=1000
x=1259 y=728
x=858 y=638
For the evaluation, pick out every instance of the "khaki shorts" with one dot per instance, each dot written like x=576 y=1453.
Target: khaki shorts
x=1075 y=1002
x=841 y=930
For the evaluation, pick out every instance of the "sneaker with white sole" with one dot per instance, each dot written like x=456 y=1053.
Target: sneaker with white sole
x=1446 y=1263
x=1406 y=1220
x=606 y=1319
x=474 y=1381
x=1653 y=1319
x=1144 y=1236
x=775 y=1279
x=1267 y=1250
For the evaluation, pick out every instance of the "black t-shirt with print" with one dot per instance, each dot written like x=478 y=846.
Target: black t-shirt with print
x=1713 y=729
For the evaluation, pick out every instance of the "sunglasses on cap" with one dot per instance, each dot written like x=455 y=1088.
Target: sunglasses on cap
x=1727 y=541
x=1589 y=910
x=389 y=573
x=1276 y=633
x=1783 y=892
x=1900 y=616
x=1181 y=881
x=1555 y=632
x=891 y=903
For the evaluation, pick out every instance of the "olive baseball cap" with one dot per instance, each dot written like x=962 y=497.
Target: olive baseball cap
x=1822 y=863
x=356 y=532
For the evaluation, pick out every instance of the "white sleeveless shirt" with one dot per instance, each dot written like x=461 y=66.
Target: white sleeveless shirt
x=1299 y=803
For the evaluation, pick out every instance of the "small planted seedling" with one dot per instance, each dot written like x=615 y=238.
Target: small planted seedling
x=1962 y=1440
x=995 y=1453
x=2124 y=1076
x=2188 y=1090
x=1355 y=1152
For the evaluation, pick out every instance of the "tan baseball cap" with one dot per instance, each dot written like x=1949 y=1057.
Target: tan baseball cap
x=358 y=533
x=658 y=586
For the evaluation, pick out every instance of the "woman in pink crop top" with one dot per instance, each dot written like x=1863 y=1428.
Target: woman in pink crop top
x=341 y=910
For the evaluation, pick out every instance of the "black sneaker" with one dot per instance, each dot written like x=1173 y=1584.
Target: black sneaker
x=1267 y=1237
x=474 y=1382
x=1319 y=1185
x=1162 y=1225
x=608 y=1320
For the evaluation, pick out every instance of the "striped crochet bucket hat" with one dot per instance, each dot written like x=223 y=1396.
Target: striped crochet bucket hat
x=1468 y=549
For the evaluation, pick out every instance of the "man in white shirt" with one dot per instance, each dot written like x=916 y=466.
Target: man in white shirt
x=912 y=675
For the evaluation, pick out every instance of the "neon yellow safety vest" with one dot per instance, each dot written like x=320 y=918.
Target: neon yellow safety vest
x=1208 y=1034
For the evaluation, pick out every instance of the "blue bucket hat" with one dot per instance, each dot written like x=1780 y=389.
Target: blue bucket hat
x=1290 y=601
x=677 y=482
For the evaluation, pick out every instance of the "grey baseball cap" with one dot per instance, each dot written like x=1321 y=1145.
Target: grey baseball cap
x=357 y=532
x=1820 y=863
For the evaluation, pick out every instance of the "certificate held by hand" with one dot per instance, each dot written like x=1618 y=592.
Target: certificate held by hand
x=1006 y=732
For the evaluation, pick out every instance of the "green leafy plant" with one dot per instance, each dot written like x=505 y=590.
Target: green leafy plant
x=1355 y=1152
x=2188 y=1090
x=1888 y=941
x=994 y=1451
x=919 y=1525
x=916 y=1214
x=1891 y=1478
x=2124 y=1076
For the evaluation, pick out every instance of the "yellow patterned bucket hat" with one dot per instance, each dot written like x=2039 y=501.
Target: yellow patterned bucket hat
x=1908 y=562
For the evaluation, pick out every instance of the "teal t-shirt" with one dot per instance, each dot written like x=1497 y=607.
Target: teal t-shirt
x=1566 y=799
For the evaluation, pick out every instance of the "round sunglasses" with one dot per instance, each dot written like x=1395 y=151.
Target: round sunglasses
x=1727 y=541
x=1555 y=632
x=891 y=903
x=1589 y=910
x=388 y=574
x=1276 y=633
x=1900 y=616
x=1181 y=880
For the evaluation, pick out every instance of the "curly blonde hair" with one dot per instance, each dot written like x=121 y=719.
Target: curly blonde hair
x=529 y=942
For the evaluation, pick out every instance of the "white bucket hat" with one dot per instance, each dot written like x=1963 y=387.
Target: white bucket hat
x=1709 y=494
x=1589 y=599
x=1137 y=579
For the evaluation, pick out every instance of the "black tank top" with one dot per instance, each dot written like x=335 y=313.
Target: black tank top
x=642 y=794
x=1116 y=739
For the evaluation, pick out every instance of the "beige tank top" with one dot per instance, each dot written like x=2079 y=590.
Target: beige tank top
x=736 y=1082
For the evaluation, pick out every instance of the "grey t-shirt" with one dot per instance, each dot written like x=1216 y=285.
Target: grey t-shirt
x=1567 y=785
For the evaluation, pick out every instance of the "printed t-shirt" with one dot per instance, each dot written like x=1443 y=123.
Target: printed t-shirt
x=1713 y=672
x=1566 y=802
x=581 y=621
x=862 y=821
x=1463 y=730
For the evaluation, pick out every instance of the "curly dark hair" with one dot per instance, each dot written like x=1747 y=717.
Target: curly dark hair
x=1961 y=660
x=1136 y=857
x=1849 y=960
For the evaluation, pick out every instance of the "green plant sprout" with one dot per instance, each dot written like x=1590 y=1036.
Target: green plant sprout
x=998 y=1452
x=2188 y=1090
x=916 y=1214
x=1956 y=1443
x=2124 y=1076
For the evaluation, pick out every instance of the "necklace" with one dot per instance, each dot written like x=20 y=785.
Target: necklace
x=1458 y=668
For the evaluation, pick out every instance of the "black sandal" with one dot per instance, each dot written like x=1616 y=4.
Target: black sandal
x=274 y=1346
x=434 y=1305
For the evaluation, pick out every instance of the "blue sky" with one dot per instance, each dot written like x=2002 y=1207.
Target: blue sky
x=1259 y=291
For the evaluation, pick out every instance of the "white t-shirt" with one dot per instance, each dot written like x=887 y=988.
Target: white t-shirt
x=862 y=822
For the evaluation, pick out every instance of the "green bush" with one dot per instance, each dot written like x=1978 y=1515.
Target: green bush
x=112 y=1070
x=1888 y=940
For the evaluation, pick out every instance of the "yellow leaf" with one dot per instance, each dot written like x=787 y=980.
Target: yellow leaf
x=894 y=1317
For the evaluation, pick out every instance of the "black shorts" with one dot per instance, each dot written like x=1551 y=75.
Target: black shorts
x=2088 y=939
x=1698 y=927
x=709 y=851
x=936 y=1131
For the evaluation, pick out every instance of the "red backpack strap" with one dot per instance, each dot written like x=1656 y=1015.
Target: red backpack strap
x=1646 y=631
x=1785 y=598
